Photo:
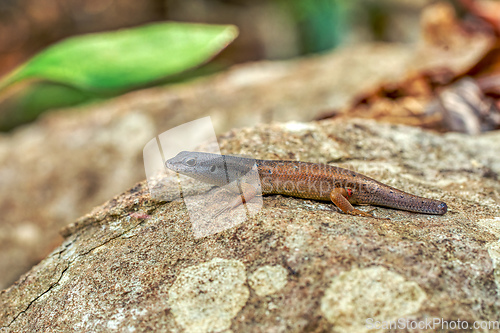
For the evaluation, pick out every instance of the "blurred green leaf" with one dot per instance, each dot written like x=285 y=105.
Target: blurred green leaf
x=81 y=69
x=321 y=24
x=121 y=60
x=26 y=104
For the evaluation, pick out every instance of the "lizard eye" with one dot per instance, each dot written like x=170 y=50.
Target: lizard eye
x=191 y=162
x=213 y=168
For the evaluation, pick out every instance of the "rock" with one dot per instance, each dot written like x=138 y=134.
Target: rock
x=267 y=280
x=298 y=265
x=206 y=297
x=364 y=296
x=59 y=168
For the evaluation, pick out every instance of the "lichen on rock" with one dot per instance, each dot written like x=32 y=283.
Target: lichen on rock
x=356 y=296
x=267 y=280
x=206 y=297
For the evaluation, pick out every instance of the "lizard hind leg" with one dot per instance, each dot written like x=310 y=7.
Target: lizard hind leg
x=339 y=197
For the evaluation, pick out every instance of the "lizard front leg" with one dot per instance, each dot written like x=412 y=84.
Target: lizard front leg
x=245 y=194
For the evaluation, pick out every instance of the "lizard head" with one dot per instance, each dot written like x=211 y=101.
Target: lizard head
x=209 y=168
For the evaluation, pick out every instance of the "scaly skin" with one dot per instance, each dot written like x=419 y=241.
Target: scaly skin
x=303 y=180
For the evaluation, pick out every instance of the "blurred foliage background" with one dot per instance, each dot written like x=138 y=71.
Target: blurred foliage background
x=272 y=29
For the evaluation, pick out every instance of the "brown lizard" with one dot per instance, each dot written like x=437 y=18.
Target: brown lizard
x=303 y=180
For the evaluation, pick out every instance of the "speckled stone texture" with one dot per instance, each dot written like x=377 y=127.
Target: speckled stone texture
x=298 y=265
x=57 y=169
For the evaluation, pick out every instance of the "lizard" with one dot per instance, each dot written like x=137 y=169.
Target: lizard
x=316 y=181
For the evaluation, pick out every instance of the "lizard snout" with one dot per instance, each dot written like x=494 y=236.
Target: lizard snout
x=443 y=208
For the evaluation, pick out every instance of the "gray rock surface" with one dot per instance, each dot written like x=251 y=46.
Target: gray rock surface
x=298 y=265
x=55 y=170
x=59 y=168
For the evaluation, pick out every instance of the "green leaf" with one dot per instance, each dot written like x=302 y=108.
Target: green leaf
x=121 y=60
x=25 y=104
